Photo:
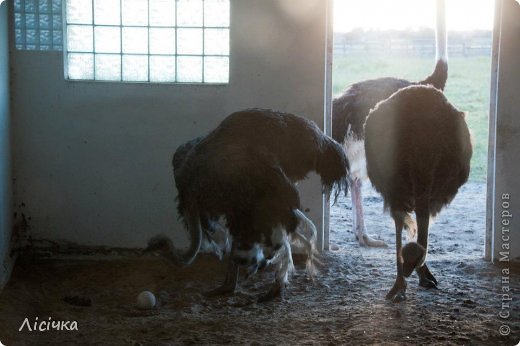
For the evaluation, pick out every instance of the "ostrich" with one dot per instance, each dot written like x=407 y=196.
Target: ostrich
x=349 y=112
x=418 y=152
x=245 y=171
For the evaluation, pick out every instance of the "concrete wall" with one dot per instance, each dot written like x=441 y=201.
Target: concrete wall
x=5 y=167
x=506 y=184
x=92 y=159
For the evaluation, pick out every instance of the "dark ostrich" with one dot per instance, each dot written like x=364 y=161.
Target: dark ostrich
x=418 y=152
x=245 y=172
x=349 y=112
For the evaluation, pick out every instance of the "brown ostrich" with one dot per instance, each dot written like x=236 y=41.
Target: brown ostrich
x=245 y=172
x=349 y=112
x=418 y=152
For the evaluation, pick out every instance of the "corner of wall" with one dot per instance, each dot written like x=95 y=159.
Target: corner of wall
x=6 y=262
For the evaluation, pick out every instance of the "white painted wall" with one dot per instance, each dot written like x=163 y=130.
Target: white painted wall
x=92 y=159
x=5 y=167
x=506 y=184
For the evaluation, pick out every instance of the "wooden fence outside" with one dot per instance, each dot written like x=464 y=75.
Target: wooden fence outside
x=411 y=47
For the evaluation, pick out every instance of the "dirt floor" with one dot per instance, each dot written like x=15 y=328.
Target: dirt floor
x=344 y=305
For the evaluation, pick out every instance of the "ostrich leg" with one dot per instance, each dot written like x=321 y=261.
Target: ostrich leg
x=414 y=254
x=230 y=281
x=284 y=265
x=398 y=292
x=358 y=217
x=426 y=279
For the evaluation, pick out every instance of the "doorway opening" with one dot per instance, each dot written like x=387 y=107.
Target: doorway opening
x=374 y=39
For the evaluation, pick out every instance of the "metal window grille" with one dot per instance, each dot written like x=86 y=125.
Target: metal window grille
x=170 y=41
x=38 y=24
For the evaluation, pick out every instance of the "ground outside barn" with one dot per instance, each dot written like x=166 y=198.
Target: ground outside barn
x=344 y=305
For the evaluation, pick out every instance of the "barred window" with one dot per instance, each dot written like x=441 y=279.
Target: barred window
x=38 y=24
x=172 y=41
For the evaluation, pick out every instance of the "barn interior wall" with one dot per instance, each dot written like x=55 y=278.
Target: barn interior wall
x=506 y=239
x=5 y=166
x=92 y=160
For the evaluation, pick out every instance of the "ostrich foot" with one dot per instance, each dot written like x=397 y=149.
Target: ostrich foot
x=230 y=282
x=398 y=292
x=221 y=290
x=274 y=292
x=366 y=240
x=426 y=278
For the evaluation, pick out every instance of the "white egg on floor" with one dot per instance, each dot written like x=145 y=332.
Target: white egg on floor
x=146 y=300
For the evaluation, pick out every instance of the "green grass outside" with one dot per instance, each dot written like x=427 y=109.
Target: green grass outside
x=468 y=89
